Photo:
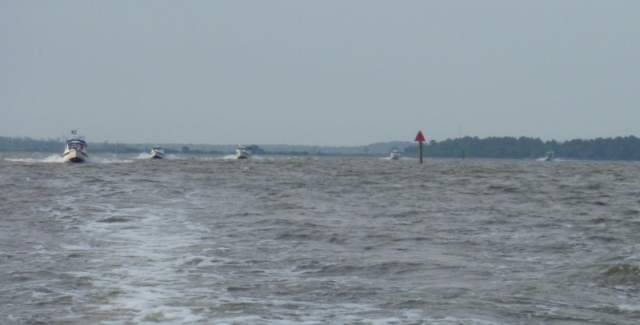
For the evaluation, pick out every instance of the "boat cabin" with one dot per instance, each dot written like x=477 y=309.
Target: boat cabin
x=76 y=144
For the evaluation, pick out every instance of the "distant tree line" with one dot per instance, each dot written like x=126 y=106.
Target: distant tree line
x=619 y=148
x=26 y=144
x=30 y=145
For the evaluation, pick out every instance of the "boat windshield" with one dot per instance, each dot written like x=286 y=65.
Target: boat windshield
x=75 y=144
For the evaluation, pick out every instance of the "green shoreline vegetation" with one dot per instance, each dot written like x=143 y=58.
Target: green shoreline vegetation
x=619 y=148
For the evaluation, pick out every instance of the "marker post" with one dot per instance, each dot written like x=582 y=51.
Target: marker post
x=420 y=138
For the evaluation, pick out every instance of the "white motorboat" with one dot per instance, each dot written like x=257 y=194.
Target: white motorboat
x=243 y=152
x=157 y=152
x=395 y=155
x=75 y=151
x=549 y=156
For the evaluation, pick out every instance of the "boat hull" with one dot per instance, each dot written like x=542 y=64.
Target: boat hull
x=155 y=155
x=74 y=156
x=243 y=153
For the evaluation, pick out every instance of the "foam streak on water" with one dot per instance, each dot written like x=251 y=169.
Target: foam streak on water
x=209 y=240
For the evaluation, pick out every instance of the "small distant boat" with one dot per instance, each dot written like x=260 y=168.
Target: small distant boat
x=395 y=155
x=75 y=151
x=243 y=152
x=157 y=152
x=549 y=156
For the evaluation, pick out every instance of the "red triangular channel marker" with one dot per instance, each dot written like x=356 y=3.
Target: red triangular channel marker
x=420 y=137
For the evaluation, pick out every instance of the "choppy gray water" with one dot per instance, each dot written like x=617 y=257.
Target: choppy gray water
x=200 y=240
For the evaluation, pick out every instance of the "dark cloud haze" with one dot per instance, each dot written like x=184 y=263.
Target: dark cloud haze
x=318 y=72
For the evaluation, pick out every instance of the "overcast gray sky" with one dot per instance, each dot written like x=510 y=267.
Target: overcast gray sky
x=319 y=72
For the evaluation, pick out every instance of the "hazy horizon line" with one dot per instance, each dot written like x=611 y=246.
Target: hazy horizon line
x=59 y=138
